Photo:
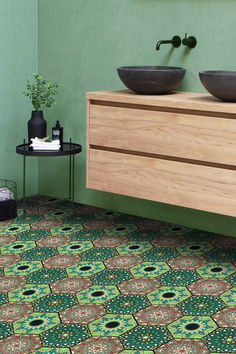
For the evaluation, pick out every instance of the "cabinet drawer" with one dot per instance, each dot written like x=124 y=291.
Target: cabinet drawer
x=190 y=136
x=188 y=185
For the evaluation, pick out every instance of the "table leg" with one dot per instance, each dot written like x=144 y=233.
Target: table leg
x=70 y=177
x=24 y=209
x=73 y=183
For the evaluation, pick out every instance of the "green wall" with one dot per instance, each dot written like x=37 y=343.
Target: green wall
x=18 y=60
x=82 y=42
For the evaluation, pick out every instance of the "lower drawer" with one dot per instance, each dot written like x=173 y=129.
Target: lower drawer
x=194 y=186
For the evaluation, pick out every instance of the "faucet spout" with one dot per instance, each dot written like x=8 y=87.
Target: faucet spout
x=175 y=41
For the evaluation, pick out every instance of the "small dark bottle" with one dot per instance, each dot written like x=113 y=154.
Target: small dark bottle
x=57 y=133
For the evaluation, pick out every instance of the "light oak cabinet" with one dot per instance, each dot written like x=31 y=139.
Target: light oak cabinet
x=177 y=149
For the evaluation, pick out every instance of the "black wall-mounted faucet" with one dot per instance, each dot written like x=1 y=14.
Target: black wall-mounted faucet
x=190 y=42
x=175 y=41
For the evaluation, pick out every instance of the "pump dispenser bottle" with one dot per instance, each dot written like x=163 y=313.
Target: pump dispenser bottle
x=57 y=133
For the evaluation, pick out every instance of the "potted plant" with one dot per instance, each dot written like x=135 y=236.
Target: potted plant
x=42 y=93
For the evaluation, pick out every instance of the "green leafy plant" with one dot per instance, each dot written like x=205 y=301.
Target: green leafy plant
x=42 y=92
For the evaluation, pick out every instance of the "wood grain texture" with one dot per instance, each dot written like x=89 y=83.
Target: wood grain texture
x=174 y=134
x=198 y=187
x=87 y=139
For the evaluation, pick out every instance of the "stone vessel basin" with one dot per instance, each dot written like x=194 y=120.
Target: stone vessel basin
x=220 y=83
x=153 y=80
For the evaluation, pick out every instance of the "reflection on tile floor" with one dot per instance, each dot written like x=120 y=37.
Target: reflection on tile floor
x=104 y=282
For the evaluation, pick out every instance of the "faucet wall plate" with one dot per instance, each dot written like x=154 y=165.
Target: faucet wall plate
x=190 y=41
x=176 y=41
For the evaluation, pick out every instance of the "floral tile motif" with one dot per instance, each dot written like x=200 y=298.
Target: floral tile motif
x=85 y=269
x=39 y=209
x=46 y=224
x=3 y=298
x=29 y=292
x=222 y=340
x=188 y=346
x=65 y=335
x=97 y=294
x=22 y=268
x=174 y=230
x=11 y=311
x=5 y=330
x=98 y=224
x=36 y=323
x=55 y=302
x=150 y=224
x=143 y=235
x=126 y=304
x=98 y=345
x=133 y=247
x=178 y=277
x=106 y=214
x=6 y=259
x=61 y=261
x=75 y=247
x=216 y=270
x=160 y=254
x=28 y=218
x=110 y=241
x=201 y=305
x=99 y=254
x=82 y=313
x=232 y=279
x=32 y=235
x=52 y=350
x=123 y=261
x=46 y=276
x=166 y=295
x=66 y=229
x=187 y=262
x=86 y=209
x=120 y=229
x=145 y=338
x=77 y=219
x=157 y=315
x=112 y=325
x=224 y=242
x=5 y=239
x=71 y=285
x=5 y=223
x=9 y=283
x=195 y=247
x=57 y=213
x=111 y=276
x=39 y=253
x=229 y=297
x=192 y=327
x=139 y=286
x=17 y=247
x=53 y=241
x=208 y=286
x=200 y=235
x=168 y=241
x=222 y=255
x=13 y=229
x=226 y=317
x=149 y=269
x=128 y=219
x=87 y=235
x=20 y=344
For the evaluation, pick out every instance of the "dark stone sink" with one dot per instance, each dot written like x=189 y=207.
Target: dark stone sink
x=153 y=80
x=220 y=83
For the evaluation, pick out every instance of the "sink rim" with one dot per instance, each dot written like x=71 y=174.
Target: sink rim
x=151 y=68
x=218 y=72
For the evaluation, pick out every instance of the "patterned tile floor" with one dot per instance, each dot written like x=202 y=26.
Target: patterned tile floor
x=105 y=282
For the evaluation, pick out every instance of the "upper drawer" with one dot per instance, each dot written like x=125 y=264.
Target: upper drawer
x=189 y=136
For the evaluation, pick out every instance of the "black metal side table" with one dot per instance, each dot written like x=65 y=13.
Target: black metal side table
x=68 y=149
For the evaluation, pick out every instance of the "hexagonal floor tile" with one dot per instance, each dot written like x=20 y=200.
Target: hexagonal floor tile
x=17 y=247
x=134 y=247
x=201 y=305
x=150 y=224
x=143 y=235
x=55 y=302
x=6 y=259
x=160 y=254
x=225 y=317
x=28 y=218
x=85 y=269
x=58 y=213
x=189 y=261
x=3 y=298
x=200 y=235
x=46 y=276
x=52 y=350
x=188 y=346
x=109 y=214
x=224 y=242
x=120 y=229
x=77 y=218
x=75 y=247
x=216 y=270
x=98 y=224
x=167 y=295
x=5 y=239
x=232 y=279
x=9 y=283
x=174 y=230
x=215 y=286
x=145 y=338
x=82 y=313
x=66 y=229
x=53 y=241
x=126 y=304
x=149 y=269
x=123 y=261
x=221 y=255
x=46 y=224
x=6 y=329
x=22 y=268
x=14 y=229
x=87 y=235
x=139 y=286
x=39 y=253
x=97 y=294
x=229 y=297
x=36 y=323
x=71 y=285
x=194 y=247
x=112 y=325
x=178 y=277
x=11 y=311
x=222 y=340
x=111 y=276
x=61 y=261
x=192 y=327
x=32 y=235
x=20 y=344
x=110 y=241
x=29 y=292
x=65 y=335
x=99 y=254
x=157 y=315
x=98 y=345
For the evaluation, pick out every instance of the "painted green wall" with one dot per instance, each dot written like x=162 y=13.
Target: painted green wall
x=18 y=60
x=82 y=42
